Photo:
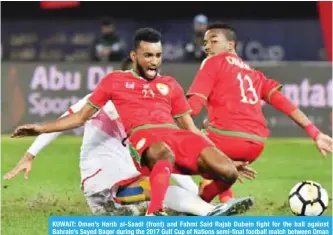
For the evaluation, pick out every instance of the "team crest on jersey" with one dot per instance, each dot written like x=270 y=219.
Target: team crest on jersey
x=140 y=144
x=162 y=88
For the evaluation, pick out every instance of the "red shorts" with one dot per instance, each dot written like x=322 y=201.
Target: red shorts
x=236 y=148
x=185 y=145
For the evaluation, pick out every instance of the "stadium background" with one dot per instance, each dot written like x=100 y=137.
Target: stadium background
x=46 y=67
x=44 y=46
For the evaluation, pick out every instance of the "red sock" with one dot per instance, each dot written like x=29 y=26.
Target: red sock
x=159 y=183
x=226 y=195
x=213 y=189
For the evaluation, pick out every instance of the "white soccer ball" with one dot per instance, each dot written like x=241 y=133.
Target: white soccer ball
x=308 y=198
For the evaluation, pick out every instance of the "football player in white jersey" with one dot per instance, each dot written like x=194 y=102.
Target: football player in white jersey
x=105 y=160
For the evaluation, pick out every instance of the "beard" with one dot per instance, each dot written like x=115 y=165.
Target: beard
x=142 y=73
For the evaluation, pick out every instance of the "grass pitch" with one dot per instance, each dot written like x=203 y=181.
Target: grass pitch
x=53 y=187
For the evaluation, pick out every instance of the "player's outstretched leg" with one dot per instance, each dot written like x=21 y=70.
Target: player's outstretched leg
x=232 y=207
x=160 y=160
x=223 y=197
x=224 y=173
x=226 y=196
x=213 y=162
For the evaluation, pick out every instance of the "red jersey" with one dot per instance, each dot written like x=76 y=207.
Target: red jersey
x=141 y=102
x=233 y=91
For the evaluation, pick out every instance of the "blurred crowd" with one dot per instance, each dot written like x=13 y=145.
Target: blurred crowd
x=109 y=46
x=78 y=34
x=29 y=42
x=107 y=39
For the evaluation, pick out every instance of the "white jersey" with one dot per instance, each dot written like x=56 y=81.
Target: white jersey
x=104 y=131
x=104 y=160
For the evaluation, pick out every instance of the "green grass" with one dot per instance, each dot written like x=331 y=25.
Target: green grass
x=53 y=187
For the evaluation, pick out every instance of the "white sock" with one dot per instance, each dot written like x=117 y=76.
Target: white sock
x=181 y=200
x=186 y=182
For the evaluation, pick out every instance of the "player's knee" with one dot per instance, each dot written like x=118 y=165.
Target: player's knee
x=158 y=151
x=219 y=163
x=231 y=173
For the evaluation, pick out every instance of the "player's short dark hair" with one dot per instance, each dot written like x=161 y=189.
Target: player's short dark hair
x=126 y=64
x=229 y=32
x=146 y=35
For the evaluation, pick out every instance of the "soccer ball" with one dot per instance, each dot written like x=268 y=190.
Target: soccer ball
x=308 y=198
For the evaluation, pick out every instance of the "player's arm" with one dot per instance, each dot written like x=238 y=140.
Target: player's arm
x=25 y=164
x=45 y=139
x=186 y=122
x=39 y=144
x=98 y=99
x=181 y=111
x=61 y=124
x=202 y=85
x=272 y=95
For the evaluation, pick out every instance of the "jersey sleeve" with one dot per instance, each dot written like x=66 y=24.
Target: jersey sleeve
x=41 y=142
x=79 y=105
x=102 y=93
x=269 y=86
x=44 y=140
x=205 y=78
x=179 y=104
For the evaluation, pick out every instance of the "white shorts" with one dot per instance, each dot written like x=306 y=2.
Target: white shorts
x=102 y=172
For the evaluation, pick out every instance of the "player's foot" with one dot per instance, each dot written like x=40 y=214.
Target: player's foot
x=157 y=213
x=171 y=212
x=130 y=210
x=225 y=199
x=232 y=207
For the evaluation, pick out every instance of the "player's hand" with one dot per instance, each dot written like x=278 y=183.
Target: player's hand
x=324 y=144
x=27 y=130
x=24 y=165
x=245 y=171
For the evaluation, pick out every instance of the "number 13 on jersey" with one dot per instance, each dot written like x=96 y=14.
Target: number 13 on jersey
x=242 y=81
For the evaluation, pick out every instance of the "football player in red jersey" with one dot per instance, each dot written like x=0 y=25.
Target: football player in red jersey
x=148 y=105
x=232 y=92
